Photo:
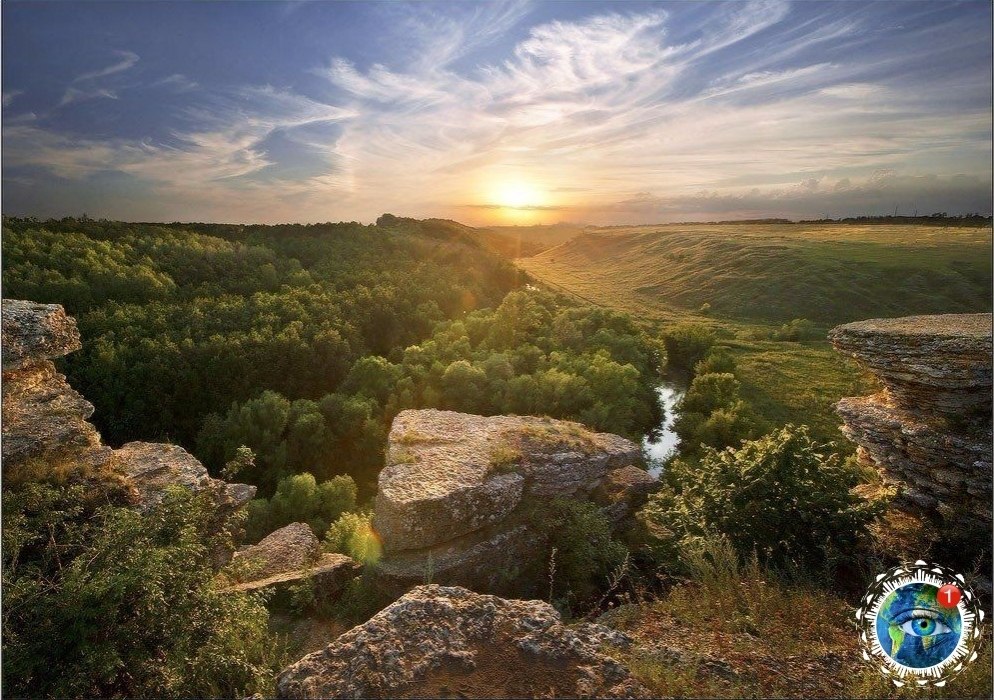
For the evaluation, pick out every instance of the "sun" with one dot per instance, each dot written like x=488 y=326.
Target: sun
x=518 y=195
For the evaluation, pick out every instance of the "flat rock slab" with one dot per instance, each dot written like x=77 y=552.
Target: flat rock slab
x=35 y=332
x=449 y=474
x=943 y=362
x=330 y=572
x=447 y=641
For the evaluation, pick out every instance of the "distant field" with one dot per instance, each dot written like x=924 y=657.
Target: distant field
x=828 y=273
x=756 y=276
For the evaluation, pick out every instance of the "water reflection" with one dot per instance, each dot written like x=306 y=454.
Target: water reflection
x=662 y=443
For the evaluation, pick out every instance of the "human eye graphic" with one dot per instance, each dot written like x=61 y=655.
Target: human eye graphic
x=922 y=623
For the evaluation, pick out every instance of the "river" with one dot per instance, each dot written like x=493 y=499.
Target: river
x=661 y=443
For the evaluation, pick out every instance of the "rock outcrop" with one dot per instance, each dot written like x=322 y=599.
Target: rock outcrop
x=449 y=642
x=290 y=548
x=450 y=499
x=45 y=421
x=929 y=431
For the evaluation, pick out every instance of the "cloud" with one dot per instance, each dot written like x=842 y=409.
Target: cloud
x=177 y=82
x=10 y=96
x=746 y=109
x=74 y=95
x=879 y=193
x=128 y=60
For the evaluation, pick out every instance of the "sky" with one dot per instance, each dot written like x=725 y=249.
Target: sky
x=495 y=113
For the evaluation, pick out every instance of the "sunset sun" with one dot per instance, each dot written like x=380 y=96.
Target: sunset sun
x=518 y=194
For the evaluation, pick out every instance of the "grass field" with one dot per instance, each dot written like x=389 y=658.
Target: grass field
x=828 y=273
x=754 y=277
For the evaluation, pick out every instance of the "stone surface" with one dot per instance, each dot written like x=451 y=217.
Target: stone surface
x=449 y=474
x=446 y=641
x=329 y=572
x=153 y=467
x=290 y=548
x=35 y=332
x=941 y=364
x=46 y=430
x=450 y=502
x=929 y=431
x=623 y=491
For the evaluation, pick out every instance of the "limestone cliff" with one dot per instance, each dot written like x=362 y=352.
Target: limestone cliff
x=450 y=497
x=45 y=421
x=449 y=642
x=929 y=431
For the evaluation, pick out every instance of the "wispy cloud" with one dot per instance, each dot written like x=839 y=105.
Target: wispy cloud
x=621 y=114
x=127 y=60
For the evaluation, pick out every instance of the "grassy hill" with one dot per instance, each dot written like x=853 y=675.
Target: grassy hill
x=828 y=273
x=755 y=276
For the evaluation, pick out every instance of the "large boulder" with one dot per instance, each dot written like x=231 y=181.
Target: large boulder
x=929 y=431
x=154 y=467
x=290 y=548
x=450 y=642
x=450 y=500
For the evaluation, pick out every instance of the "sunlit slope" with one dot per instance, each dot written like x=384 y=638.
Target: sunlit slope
x=770 y=272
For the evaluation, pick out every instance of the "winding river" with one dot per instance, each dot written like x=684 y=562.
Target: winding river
x=661 y=443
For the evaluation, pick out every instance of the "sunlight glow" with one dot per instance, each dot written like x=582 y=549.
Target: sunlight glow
x=518 y=195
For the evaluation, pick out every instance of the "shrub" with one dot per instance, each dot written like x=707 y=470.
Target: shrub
x=795 y=331
x=711 y=414
x=687 y=344
x=780 y=496
x=353 y=534
x=108 y=601
x=718 y=361
x=300 y=498
x=586 y=554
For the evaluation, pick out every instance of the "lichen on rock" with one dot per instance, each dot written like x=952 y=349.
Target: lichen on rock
x=449 y=502
x=440 y=641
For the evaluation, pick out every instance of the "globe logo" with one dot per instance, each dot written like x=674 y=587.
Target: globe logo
x=920 y=624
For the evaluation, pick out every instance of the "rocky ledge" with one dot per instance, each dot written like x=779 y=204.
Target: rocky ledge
x=449 y=642
x=450 y=498
x=288 y=557
x=45 y=421
x=929 y=431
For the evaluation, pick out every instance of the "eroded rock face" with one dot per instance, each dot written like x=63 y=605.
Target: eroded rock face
x=45 y=421
x=449 y=500
x=447 y=641
x=929 y=431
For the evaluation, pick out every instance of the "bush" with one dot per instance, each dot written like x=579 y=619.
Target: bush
x=779 y=496
x=300 y=498
x=687 y=344
x=718 y=361
x=711 y=414
x=108 y=601
x=353 y=534
x=580 y=544
x=795 y=331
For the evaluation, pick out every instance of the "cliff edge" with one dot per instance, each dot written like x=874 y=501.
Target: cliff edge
x=928 y=432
